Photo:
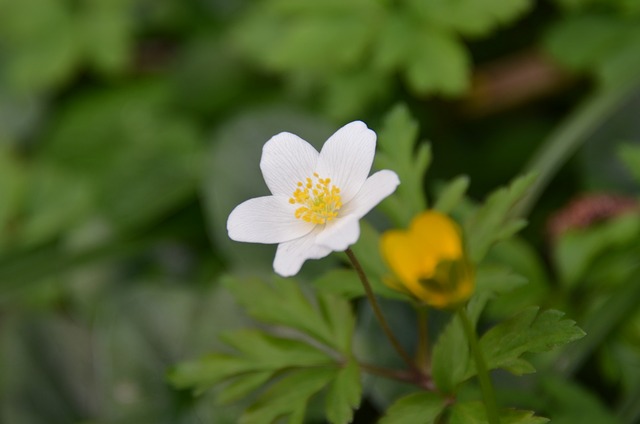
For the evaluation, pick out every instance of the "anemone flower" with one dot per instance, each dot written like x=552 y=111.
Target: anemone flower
x=317 y=199
x=429 y=261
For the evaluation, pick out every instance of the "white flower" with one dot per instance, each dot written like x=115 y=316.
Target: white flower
x=317 y=198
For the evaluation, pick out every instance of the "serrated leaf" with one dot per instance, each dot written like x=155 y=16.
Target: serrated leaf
x=207 y=371
x=288 y=396
x=266 y=351
x=340 y=319
x=528 y=331
x=343 y=282
x=416 y=408
x=256 y=352
x=450 y=356
x=243 y=385
x=451 y=194
x=294 y=309
x=344 y=394
x=493 y=221
x=475 y=413
x=398 y=151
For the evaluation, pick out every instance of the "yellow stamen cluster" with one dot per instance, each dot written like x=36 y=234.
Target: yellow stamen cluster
x=320 y=200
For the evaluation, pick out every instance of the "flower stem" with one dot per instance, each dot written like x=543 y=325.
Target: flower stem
x=422 y=352
x=378 y=312
x=563 y=142
x=490 y=403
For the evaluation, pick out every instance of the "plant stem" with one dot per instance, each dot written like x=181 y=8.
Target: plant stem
x=378 y=312
x=490 y=403
x=568 y=136
x=422 y=352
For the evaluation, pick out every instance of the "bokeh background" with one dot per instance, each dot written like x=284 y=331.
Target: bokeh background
x=130 y=128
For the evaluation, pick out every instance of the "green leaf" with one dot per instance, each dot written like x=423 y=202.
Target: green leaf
x=572 y=403
x=469 y=17
x=289 y=396
x=342 y=282
x=493 y=221
x=475 y=413
x=529 y=331
x=294 y=309
x=243 y=385
x=397 y=144
x=255 y=352
x=630 y=155
x=438 y=63
x=416 y=408
x=577 y=250
x=451 y=194
x=450 y=356
x=344 y=394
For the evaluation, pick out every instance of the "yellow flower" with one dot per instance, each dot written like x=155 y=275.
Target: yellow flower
x=429 y=261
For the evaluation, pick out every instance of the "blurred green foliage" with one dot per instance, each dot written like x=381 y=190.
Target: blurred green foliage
x=130 y=128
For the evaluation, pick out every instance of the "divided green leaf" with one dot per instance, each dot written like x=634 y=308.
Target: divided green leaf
x=493 y=221
x=295 y=310
x=528 y=331
x=398 y=151
x=475 y=413
x=416 y=408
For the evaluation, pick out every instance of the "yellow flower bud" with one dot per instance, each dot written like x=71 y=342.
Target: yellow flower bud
x=429 y=261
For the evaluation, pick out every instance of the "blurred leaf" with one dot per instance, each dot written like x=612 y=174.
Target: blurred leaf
x=342 y=282
x=611 y=313
x=630 y=155
x=12 y=187
x=451 y=194
x=106 y=33
x=398 y=152
x=577 y=250
x=416 y=408
x=493 y=221
x=571 y=403
x=605 y=44
x=344 y=394
x=529 y=331
x=439 y=63
x=475 y=413
x=471 y=17
x=125 y=144
x=49 y=41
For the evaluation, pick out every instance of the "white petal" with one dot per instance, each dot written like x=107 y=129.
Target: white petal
x=268 y=219
x=287 y=159
x=347 y=157
x=340 y=233
x=373 y=191
x=292 y=254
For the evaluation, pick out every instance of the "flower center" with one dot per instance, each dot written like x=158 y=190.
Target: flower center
x=319 y=200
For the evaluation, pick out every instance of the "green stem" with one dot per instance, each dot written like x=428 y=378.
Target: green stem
x=483 y=374
x=378 y=312
x=422 y=352
x=567 y=138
